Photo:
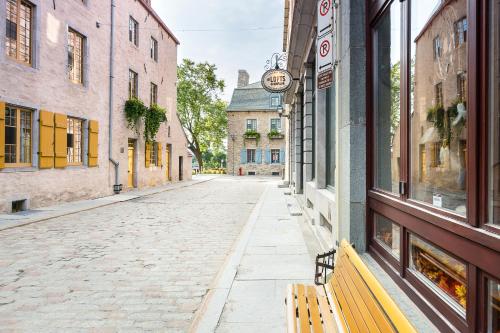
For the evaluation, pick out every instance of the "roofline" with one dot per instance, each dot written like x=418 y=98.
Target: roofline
x=432 y=18
x=153 y=13
x=252 y=110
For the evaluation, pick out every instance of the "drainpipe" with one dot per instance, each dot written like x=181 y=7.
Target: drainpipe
x=117 y=187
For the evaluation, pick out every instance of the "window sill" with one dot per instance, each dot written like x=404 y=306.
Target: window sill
x=76 y=167
x=20 y=64
x=18 y=169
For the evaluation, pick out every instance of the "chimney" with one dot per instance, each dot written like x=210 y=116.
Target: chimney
x=243 y=78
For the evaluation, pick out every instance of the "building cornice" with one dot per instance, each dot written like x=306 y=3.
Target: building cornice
x=153 y=13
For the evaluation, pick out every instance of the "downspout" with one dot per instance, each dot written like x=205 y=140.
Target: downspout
x=117 y=187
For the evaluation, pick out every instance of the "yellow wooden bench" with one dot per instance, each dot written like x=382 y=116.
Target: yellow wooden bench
x=351 y=301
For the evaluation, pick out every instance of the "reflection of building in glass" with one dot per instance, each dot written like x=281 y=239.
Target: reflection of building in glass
x=438 y=117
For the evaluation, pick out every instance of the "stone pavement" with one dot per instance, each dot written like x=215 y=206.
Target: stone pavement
x=144 y=264
x=270 y=253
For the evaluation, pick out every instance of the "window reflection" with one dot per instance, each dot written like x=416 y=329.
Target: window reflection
x=445 y=274
x=493 y=307
x=387 y=235
x=439 y=103
x=494 y=104
x=387 y=100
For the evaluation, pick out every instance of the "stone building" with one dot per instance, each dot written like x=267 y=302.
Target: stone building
x=63 y=133
x=400 y=155
x=256 y=142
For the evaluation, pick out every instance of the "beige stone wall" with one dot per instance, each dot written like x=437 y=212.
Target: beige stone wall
x=45 y=85
x=237 y=127
x=162 y=73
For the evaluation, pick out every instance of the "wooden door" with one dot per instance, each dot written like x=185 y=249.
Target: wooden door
x=167 y=162
x=181 y=167
x=131 y=160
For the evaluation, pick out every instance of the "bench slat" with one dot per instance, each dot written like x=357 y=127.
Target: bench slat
x=303 y=313
x=351 y=301
x=326 y=311
x=291 y=308
x=348 y=275
x=372 y=305
x=397 y=318
x=344 y=306
x=312 y=301
x=336 y=306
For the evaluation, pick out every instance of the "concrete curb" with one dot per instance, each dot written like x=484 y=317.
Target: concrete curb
x=16 y=221
x=207 y=317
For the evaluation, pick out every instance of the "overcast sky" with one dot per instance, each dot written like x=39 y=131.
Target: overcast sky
x=234 y=45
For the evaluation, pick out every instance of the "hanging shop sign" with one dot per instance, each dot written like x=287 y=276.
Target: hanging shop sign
x=325 y=47
x=277 y=80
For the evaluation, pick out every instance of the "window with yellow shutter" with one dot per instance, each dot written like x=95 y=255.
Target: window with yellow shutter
x=74 y=141
x=93 y=143
x=154 y=154
x=18 y=141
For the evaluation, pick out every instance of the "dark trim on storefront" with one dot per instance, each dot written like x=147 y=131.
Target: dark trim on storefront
x=470 y=239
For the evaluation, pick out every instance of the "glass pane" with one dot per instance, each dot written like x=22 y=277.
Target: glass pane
x=11 y=29
x=439 y=103
x=494 y=105
x=25 y=33
x=10 y=135
x=387 y=234
x=443 y=273
x=493 y=308
x=331 y=136
x=25 y=141
x=387 y=105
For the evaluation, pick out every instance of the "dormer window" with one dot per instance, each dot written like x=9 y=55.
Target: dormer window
x=275 y=101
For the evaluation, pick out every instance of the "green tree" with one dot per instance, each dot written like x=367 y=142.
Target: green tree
x=201 y=111
x=212 y=159
x=395 y=97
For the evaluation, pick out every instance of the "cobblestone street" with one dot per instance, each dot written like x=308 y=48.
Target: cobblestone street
x=140 y=265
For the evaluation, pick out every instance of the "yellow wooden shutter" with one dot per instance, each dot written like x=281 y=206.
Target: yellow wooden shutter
x=148 y=155
x=93 y=143
x=160 y=161
x=46 y=153
x=61 y=140
x=2 y=135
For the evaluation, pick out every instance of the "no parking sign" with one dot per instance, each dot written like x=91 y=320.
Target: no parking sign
x=325 y=44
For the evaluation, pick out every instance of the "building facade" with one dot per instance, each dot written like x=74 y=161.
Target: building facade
x=400 y=155
x=63 y=133
x=256 y=142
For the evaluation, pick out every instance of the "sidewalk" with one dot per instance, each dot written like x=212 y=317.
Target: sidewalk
x=249 y=292
x=8 y=221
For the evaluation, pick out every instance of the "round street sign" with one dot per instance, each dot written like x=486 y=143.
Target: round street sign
x=325 y=7
x=324 y=49
x=277 y=80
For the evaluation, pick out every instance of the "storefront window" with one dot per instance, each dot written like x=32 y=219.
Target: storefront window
x=444 y=274
x=494 y=106
x=387 y=99
x=493 y=307
x=331 y=133
x=387 y=235
x=438 y=122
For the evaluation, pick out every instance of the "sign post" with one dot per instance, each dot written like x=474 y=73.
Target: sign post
x=325 y=47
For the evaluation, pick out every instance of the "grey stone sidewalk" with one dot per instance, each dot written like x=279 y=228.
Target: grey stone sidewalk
x=250 y=291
